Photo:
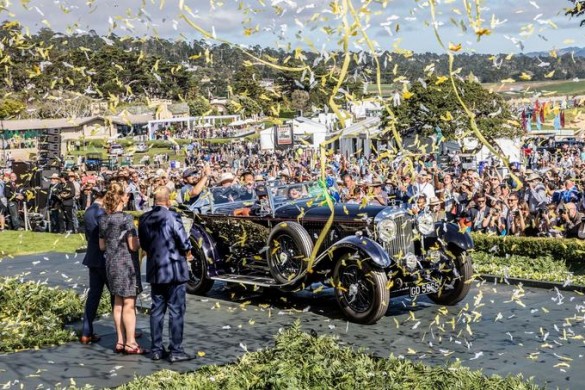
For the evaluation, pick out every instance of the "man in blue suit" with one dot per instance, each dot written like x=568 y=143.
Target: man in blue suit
x=167 y=246
x=94 y=260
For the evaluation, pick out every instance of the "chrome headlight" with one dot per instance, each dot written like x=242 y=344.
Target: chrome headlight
x=387 y=230
x=410 y=261
x=425 y=224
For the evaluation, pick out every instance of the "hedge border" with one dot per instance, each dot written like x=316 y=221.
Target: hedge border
x=570 y=250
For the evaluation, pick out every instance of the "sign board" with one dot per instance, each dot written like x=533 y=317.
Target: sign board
x=283 y=135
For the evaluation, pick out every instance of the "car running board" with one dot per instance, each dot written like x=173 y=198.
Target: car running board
x=261 y=281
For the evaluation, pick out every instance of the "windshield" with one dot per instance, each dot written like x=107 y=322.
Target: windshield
x=231 y=194
x=294 y=192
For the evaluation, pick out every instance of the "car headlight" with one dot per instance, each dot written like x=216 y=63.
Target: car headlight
x=387 y=230
x=425 y=224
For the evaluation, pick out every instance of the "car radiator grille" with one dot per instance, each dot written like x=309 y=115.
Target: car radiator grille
x=403 y=243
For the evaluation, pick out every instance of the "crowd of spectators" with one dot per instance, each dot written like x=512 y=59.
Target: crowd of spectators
x=540 y=196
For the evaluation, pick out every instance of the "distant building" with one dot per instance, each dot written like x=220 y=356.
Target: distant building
x=71 y=131
x=219 y=104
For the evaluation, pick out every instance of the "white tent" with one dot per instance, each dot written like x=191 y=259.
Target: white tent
x=303 y=128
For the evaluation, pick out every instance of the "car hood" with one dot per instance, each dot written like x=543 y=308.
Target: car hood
x=342 y=211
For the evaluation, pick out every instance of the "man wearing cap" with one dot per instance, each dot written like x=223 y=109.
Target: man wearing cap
x=194 y=185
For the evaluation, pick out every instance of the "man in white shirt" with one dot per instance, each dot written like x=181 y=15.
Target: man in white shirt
x=423 y=186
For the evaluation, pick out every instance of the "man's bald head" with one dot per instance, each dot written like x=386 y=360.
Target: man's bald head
x=162 y=196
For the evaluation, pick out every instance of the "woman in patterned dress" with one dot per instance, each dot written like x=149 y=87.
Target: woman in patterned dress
x=119 y=240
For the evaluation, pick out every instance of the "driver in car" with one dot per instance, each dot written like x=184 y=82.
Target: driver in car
x=261 y=206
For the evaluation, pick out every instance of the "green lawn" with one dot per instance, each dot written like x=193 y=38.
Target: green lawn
x=547 y=88
x=13 y=243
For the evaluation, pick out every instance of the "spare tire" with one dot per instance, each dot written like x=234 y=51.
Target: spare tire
x=289 y=250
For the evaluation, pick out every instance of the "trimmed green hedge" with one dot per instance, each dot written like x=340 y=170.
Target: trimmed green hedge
x=568 y=250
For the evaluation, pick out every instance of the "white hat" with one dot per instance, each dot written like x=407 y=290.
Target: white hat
x=226 y=176
x=434 y=201
x=55 y=176
x=284 y=172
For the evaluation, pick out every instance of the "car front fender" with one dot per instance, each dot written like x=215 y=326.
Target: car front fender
x=453 y=235
x=368 y=248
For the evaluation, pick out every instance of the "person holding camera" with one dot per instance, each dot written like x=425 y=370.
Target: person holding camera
x=570 y=220
x=496 y=223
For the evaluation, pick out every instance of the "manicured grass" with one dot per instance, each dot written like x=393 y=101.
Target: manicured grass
x=14 y=243
x=547 y=88
x=302 y=361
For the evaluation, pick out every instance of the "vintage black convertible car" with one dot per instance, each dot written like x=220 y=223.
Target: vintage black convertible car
x=366 y=254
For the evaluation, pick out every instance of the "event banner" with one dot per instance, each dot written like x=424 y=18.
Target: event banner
x=283 y=137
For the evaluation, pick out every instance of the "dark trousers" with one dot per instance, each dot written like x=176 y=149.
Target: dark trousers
x=97 y=281
x=56 y=221
x=171 y=296
x=14 y=217
x=68 y=218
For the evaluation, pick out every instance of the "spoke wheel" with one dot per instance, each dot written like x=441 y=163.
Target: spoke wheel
x=456 y=282
x=360 y=289
x=199 y=282
x=289 y=248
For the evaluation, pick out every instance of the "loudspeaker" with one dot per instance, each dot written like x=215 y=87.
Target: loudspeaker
x=53 y=132
x=55 y=139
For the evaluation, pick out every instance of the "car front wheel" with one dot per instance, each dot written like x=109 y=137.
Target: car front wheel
x=456 y=281
x=361 y=290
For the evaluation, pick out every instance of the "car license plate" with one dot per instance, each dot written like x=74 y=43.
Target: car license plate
x=425 y=288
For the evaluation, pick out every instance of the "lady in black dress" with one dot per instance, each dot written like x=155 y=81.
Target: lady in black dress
x=119 y=240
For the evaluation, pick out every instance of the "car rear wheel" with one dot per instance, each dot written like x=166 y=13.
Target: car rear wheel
x=199 y=283
x=289 y=250
x=456 y=282
x=361 y=289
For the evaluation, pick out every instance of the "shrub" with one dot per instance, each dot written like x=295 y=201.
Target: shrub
x=543 y=268
x=34 y=315
x=302 y=361
x=568 y=250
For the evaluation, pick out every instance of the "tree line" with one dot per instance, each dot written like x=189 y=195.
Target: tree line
x=45 y=70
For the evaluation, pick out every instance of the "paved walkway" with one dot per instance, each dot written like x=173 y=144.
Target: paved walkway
x=533 y=332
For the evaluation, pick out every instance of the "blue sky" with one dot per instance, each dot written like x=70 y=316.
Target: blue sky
x=522 y=24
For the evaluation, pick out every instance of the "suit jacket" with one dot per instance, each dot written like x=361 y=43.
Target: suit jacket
x=84 y=198
x=94 y=257
x=166 y=242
